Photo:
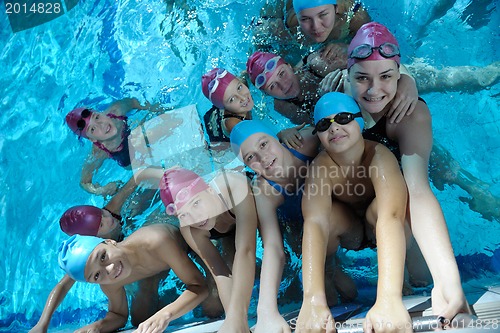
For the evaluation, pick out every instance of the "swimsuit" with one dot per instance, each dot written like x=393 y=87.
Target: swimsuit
x=121 y=155
x=214 y=234
x=213 y=124
x=378 y=133
x=212 y=121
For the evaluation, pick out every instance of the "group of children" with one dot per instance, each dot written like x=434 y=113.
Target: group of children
x=353 y=173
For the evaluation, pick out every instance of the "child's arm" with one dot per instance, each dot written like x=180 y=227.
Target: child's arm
x=269 y=320
x=196 y=289
x=243 y=269
x=117 y=314
x=406 y=98
x=388 y=210
x=116 y=203
x=93 y=162
x=316 y=209
x=55 y=298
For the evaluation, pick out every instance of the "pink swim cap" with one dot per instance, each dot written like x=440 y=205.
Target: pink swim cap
x=214 y=84
x=82 y=220
x=259 y=63
x=78 y=120
x=374 y=35
x=178 y=186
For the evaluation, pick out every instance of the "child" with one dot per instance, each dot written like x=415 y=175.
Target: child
x=223 y=208
x=373 y=67
x=140 y=257
x=363 y=179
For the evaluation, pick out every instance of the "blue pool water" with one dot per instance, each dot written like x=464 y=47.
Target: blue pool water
x=106 y=50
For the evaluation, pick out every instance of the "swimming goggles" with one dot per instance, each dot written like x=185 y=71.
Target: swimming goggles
x=269 y=67
x=386 y=50
x=342 y=118
x=182 y=196
x=81 y=123
x=214 y=84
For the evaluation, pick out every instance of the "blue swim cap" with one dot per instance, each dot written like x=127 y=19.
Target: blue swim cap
x=245 y=129
x=299 y=5
x=74 y=253
x=335 y=102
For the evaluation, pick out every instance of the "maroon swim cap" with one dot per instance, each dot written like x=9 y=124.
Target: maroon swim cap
x=78 y=120
x=214 y=84
x=82 y=220
x=178 y=186
x=374 y=35
x=257 y=63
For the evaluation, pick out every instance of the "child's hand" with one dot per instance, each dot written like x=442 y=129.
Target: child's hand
x=291 y=136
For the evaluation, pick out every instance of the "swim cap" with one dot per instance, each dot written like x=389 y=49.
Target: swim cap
x=373 y=34
x=257 y=63
x=214 y=84
x=334 y=102
x=244 y=129
x=82 y=220
x=74 y=116
x=299 y=5
x=178 y=186
x=74 y=253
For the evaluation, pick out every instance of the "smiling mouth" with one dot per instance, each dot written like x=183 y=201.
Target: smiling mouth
x=119 y=270
x=108 y=129
x=268 y=166
x=202 y=224
x=374 y=99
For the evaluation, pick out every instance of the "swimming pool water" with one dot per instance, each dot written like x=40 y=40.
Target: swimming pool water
x=105 y=50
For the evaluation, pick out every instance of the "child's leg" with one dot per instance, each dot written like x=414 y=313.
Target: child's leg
x=465 y=78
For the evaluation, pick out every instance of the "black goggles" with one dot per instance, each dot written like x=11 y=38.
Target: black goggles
x=81 y=123
x=342 y=118
x=386 y=50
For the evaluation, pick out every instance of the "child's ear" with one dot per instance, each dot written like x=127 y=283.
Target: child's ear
x=110 y=242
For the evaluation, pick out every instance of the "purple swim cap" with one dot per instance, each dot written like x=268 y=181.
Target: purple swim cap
x=178 y=186
x=78 y=121
x=214 y=84
x=83 y=220
x=373 y=34
x=257 y=63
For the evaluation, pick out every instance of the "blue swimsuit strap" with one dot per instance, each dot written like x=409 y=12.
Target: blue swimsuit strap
x=300 y=156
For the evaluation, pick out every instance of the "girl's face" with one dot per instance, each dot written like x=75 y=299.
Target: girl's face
x=263 y=154
x=110 y=227
x=317 y=22
x=237 y=98
x=107 y=264
x=374 y=83
x=283 y=84
x=200 y=211
x=340 y=138
x=101 y=128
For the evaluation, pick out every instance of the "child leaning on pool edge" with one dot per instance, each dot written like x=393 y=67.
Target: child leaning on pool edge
x=373 y=67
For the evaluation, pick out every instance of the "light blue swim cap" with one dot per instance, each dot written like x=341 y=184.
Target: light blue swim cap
x=335 y=102
x=74 y=253
x=299 y=5
x=244 y=129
